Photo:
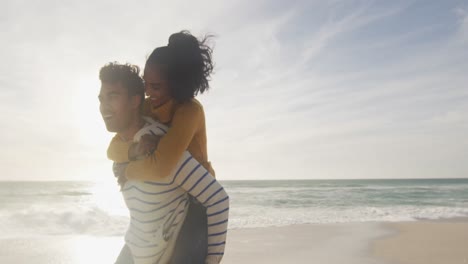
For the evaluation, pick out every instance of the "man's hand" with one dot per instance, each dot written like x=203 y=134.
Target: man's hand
x=144 y=148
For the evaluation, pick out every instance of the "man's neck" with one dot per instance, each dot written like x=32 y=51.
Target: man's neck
x=132 y=129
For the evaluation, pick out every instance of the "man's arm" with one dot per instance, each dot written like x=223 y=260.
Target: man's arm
x=197 y=181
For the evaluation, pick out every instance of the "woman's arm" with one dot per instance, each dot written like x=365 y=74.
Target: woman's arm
x=185 y=123
x=118 y=150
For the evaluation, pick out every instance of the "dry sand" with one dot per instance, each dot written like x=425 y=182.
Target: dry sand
x=321 y=243
x=428 y=242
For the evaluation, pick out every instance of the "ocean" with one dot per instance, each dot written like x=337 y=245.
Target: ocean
x=32 y=209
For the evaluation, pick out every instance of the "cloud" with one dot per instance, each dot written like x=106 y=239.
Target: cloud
x=462 y=15
x=348 y=115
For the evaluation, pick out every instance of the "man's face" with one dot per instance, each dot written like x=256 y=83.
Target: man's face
x=116 y=106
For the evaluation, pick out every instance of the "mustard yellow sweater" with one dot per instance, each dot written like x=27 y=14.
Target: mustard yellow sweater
x=187 y=132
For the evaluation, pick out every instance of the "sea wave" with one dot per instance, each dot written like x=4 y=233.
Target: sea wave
x=245 y=218
x=79 y=208
x=71 y=220
x=88 y=220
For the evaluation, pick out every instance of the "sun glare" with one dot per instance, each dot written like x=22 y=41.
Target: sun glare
x=86 y=115
x=107 y=197
x=88 y=249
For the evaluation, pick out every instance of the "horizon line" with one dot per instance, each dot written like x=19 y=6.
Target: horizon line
x=297 y=179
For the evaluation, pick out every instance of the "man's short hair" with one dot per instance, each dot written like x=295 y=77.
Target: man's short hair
x=126 y=74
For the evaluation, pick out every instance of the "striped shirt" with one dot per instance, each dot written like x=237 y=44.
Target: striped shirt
x=158 y=208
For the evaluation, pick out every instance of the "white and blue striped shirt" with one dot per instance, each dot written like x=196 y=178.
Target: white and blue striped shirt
x=158 y=208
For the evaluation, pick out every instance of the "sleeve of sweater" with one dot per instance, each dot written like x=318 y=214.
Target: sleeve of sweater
x=199 y=183
x=118 y=150
x=185 y=123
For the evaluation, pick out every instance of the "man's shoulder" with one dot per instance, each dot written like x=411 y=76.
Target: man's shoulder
x=151 y=127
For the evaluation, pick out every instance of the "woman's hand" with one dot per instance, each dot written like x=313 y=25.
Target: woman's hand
x=143 y=148
x=119 y=173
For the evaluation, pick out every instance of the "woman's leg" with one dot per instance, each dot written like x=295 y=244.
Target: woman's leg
x=125 y=256
x=191 y=245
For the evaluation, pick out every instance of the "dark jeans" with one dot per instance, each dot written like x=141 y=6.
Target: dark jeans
x=191 y=245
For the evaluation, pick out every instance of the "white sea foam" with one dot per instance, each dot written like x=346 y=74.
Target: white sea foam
x=41 y=220
x=245 y=218
x=94 y=221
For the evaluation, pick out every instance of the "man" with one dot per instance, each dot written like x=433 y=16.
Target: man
x=157 y=218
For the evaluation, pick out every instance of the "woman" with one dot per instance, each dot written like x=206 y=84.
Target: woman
x=174 y=75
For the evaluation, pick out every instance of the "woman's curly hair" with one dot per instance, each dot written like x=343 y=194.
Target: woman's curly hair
x=187 y=64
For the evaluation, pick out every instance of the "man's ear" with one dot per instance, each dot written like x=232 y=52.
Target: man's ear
x=136 y=101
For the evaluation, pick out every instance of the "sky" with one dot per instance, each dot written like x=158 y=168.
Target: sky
x=337 y=89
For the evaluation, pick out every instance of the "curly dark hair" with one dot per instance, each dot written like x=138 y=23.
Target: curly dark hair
x=187 y=64
x=127 y=74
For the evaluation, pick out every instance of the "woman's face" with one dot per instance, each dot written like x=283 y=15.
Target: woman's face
x=156 y=86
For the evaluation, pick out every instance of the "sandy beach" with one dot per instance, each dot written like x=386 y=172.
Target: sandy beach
x=430 y=242
x=60 y=250
x=321 y=243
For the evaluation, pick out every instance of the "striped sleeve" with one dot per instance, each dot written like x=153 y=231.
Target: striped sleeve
x=199 y=183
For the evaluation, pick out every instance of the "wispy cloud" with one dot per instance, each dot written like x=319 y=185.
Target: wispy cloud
x=298 y=111
x=462 y=13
